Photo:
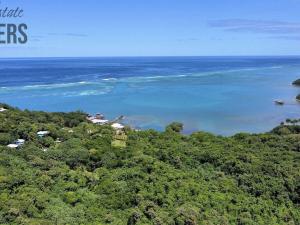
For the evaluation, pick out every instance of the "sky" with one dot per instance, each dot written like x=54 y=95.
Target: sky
x=59 y=28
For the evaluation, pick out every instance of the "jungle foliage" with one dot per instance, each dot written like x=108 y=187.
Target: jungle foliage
x=156 y=178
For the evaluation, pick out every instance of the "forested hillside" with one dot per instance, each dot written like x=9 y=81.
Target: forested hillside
x=76 y=175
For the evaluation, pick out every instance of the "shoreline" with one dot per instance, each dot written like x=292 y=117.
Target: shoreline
x=119 y=125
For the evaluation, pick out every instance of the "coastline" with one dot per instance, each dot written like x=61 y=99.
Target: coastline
x=118 y=122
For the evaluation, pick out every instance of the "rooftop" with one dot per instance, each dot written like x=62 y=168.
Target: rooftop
x=12 y=145
x=43 y=132
x=99 y=121
x=20 y=141
x=117 y=126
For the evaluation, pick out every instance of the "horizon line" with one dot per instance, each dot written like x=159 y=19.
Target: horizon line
x=144 y=56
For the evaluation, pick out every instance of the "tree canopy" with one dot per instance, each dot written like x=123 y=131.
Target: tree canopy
x=76 y=175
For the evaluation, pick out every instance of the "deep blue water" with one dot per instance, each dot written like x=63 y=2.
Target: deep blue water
x=223 y=95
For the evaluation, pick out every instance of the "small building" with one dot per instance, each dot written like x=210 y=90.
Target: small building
x=2 y=109
x=117 y=126
x=99 y=121
x=57 y=140
x=12 y=146
x=20 y=142
x=42 y=133
x=99 y=116
x=17 y=143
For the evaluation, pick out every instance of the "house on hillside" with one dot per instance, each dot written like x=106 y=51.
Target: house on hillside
x=2 y=109
x=43 y=133
x=12 y=146
x=99 y=116
x=17 y=143
x=97 y=119
x=57 y=140
x=20 y=142
x=117 y=126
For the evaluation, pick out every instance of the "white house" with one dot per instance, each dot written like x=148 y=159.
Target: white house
x=17 y=143
x=20 y=142
x=117 y=126
x=57 y=140
x=12 y=146
x=99 y=121
x=2 y=109
x=42 y=133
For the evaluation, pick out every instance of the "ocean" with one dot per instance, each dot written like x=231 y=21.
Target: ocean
x=222 y=95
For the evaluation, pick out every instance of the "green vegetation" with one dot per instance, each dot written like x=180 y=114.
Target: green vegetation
x=118 y=143
x=297 y=82
x=119 y=140
x=155 y=178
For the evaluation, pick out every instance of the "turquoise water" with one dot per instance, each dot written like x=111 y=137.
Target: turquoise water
x=223 y=95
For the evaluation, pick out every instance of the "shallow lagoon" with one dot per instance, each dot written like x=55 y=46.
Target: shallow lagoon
x=223 y=95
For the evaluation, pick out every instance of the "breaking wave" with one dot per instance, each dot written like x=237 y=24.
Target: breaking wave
x=105 y=85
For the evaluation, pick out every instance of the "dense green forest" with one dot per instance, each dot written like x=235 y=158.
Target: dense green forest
x=77 y=175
